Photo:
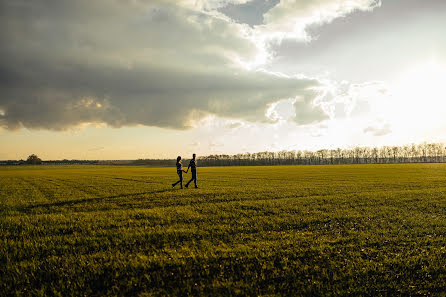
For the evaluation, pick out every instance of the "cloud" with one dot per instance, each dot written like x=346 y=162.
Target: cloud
x=290 y=18
x=319 y=130
x=379 y=129
x=127 y=63
x=234 y=125
x=344 y=99
x=365 y=46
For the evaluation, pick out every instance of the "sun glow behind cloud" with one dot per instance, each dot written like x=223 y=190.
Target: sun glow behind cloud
x=418 y=106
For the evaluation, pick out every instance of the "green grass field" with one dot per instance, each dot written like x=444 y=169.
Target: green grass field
x=291 y=230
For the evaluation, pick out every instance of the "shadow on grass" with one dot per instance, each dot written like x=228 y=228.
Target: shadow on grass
x=30 y=208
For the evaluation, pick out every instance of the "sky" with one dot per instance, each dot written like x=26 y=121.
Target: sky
x=128 y=79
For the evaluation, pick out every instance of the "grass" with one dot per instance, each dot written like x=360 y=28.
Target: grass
x=347 y=230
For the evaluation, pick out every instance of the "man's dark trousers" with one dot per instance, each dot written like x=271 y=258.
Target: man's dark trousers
x=194 y=178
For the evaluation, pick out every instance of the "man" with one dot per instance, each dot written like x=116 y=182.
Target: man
x=193 y=167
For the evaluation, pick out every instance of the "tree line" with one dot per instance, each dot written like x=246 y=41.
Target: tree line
x=414 y=153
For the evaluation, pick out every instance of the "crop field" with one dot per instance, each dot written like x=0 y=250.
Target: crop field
x=371 y=230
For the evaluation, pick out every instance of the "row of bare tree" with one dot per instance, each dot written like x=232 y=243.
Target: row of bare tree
x=414 y=153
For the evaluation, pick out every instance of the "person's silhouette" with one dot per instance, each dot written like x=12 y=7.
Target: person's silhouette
x=193 y=167
x=179 y=172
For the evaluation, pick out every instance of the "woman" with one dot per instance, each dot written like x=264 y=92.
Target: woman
x=179 y=172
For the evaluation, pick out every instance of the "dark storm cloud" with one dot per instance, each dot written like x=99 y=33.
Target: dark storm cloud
x=63 y=63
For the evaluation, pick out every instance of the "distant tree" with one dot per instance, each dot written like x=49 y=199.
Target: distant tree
x=414 y=153
x=34 y=160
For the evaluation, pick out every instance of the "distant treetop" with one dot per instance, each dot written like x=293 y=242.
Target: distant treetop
x=33 y=160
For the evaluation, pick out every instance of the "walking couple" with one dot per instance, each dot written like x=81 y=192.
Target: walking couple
x=180 y=170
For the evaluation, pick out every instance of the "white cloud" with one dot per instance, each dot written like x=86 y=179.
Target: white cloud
x=289 y=18
x=379 y=128
x=344 y=99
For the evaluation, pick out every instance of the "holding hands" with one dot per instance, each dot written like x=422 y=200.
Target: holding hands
x=180 y=171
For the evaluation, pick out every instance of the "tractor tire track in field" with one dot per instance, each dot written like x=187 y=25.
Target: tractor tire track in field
x=130 y=179
x=163 y=203
x=81 y=188
x=49 y=192
x=85 y=200
x=38 y=189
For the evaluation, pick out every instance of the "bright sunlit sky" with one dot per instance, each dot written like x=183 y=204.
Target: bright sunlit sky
x=127 y=79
